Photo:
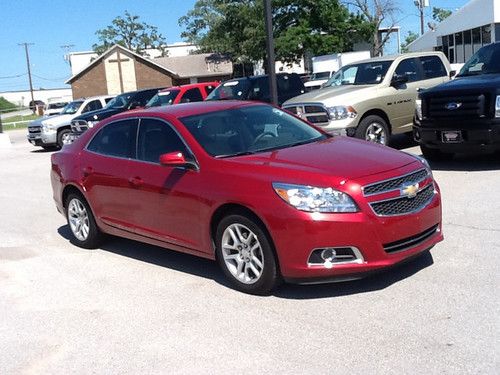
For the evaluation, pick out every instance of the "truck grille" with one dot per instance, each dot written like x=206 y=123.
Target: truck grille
x=404 y=205
x=470 y=106
x=408 y=243
x=314 y=113
x=34 y=129
x=395 y=183
x=79 y=126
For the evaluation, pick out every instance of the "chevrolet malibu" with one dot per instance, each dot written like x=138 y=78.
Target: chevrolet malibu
x=267 y=195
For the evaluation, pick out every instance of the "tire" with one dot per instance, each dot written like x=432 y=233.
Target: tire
x=62 y=136
x=246 y=256
x=373 y=129
x=81 y=222
x=434 y=154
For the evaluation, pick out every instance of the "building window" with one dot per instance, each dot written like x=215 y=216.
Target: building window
x=459 y=48
x=486 y=34
x=467 y=44
x=497 y=32
x=476 y=39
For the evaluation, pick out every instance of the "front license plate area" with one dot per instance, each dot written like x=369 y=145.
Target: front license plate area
x=451 y=136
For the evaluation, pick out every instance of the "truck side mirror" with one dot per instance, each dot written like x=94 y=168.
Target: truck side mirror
x=398 y=80
x=453 y=73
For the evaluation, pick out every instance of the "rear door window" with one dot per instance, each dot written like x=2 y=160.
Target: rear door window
x=432 y=67
x=92 y=106
x=192 y=95
x=116 y=139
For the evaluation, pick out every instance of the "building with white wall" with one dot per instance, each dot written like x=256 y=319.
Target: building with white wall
x=460 y=35
x=23 y=97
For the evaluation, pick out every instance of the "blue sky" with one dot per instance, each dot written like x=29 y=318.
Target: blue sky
x=54 y=23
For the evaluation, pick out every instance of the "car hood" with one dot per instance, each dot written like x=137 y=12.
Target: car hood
x=483 y=81
x=99 y=114
x=330 y=94
x=340 y=158
x=58 y=120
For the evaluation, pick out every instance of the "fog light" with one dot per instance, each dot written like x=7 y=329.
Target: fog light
x=328 y=254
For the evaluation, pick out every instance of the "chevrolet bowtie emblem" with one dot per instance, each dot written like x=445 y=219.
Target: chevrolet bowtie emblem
x=409 y=190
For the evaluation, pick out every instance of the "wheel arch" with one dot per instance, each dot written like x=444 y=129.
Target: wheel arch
x=236 y=208
x=70 y=188
x=377 y=112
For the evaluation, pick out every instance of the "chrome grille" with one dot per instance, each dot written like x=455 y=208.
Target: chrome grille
x=79 y=126
x=314 y=113
x=34 y=129
x=395 y=183
x=408 y=243
x=404 y=205
x=471 y=106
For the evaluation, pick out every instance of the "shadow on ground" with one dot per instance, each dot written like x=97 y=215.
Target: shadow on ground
x=208 y=269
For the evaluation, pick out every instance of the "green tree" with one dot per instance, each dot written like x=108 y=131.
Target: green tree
x=130 y=33
x=439 y=14
x=410 y=37
x=236 y=28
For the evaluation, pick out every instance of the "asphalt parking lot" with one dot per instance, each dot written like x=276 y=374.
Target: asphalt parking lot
x=134 y=308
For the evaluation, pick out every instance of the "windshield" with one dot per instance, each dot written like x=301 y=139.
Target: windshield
x=163 y=98
x=248 y=130
x=56 y=105
x=320 y=75
x=370 y=73
x=235 y=89
x=120 y=101
x=484 y=61
x=72 y=107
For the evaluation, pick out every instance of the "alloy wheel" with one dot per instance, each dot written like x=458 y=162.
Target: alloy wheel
x=78 y=219
x=375 y=132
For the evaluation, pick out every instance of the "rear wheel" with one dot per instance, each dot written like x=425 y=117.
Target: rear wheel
x=245 y=254
x=373 y=129
x=81 y=221
x=434 y=154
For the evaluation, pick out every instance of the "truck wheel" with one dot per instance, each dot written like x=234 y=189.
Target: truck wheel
x=373 y=129
x=245 y=255
x=434 y=154
x=63 y=137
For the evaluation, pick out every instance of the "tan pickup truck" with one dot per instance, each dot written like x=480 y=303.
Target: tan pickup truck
x=372 y=99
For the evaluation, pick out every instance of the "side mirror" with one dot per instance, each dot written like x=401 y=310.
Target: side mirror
x=134 y=105
x=453 y=73
x=176 y=159
x=398 y=80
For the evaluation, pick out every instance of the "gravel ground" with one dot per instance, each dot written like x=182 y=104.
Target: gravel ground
x=134 y=308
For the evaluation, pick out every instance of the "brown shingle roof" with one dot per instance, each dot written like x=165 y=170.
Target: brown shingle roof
x=199 y=65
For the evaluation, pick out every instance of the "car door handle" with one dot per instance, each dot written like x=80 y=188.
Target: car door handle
x=87 y=171
x=135 y=181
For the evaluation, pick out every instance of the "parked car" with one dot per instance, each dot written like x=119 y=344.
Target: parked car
x=54 y=131
x=36 y=103
x=56 y=105
x=194 y=92
x=121 y=103
x=374 y=98
x=462 y=115
x=264 y=193
x=257 y=88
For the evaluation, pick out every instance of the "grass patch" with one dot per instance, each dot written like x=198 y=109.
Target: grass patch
x=12 y=123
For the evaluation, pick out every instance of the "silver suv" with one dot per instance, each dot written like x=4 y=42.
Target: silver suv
x=54 y=131
x=372 y=99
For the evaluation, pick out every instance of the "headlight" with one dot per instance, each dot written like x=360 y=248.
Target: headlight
x=341 y=112
x=315 y=199
x=418 y=108
x=47 y=127
x=497 y=107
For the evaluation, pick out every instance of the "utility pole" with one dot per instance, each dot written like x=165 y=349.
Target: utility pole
x=420 y=4
x=268 y=12
x=29 y=72
x=67 y=48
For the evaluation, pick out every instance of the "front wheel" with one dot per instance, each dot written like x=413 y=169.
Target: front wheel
x=434 y=154
x=63 y=137
x=373 y=129
x=81 y=221
x=245 y=255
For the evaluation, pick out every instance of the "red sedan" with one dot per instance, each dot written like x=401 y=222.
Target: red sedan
x=265 y=194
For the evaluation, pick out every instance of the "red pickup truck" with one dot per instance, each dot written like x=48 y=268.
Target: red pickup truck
x=195 y=92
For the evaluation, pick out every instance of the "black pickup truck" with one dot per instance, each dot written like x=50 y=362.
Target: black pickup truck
x=462 y=115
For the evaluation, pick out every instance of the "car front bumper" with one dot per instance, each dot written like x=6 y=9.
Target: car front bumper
x=379 y=241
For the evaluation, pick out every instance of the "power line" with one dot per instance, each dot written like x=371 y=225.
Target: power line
x=15 y=76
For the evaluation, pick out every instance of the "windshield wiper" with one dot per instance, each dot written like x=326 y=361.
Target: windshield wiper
x=242 y=153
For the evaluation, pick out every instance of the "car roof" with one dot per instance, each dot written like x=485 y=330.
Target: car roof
x=395 y=57
x=189 y=86
x=193 y=109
